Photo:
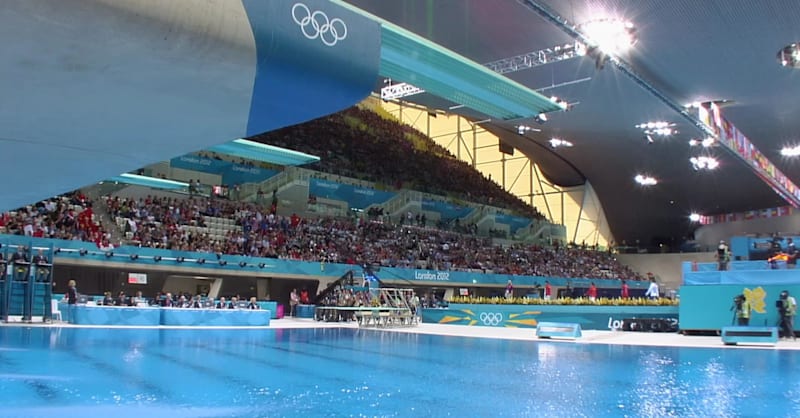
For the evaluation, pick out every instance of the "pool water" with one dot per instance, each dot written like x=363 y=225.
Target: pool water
x=46 y=372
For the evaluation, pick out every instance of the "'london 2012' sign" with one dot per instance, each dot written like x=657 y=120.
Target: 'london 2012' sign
x=432 y=276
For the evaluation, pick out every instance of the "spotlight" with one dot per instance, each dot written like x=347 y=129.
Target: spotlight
x=694 y=217
x=157 y=258
x=556 y=143
x=82 y=252
x=788 y=151
x=201 y=261
x=179 y=259
x=704 y=163
x=541 y=118
x=223 y=263
x=609 y=36
x=261 y=265
x=109 y=254
x=242 y=264
x=134 y=256
x=522 y=129
x=659 y=128
x=645 y=180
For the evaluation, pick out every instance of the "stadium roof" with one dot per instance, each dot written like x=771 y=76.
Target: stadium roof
x=690 y=51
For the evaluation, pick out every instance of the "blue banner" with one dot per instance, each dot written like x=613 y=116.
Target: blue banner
x=708 y=308
x=528 y=316
x=448 y=211
x=356 y=197
x=514 y=222
x=733 y=277
x=232 y=173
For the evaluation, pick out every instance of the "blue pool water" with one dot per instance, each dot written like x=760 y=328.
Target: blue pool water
x=46 y=372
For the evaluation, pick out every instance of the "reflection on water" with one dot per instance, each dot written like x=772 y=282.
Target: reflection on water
x=347 y=372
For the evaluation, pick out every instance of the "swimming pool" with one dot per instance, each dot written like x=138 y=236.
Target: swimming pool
x=46 y=372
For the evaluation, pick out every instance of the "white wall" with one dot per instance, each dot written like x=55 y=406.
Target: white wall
x=666 y=267
x=708 y=236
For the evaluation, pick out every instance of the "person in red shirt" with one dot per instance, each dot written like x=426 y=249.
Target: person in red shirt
x=304 y=297
x=548 y=291
x=624 y=292
x=592 y=292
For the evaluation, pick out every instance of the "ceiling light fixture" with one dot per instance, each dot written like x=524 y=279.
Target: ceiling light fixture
x=645 y=180
x=556 y=143
x=659 y=128
x=610 y=36
x=704 y=163
x=563 y=104
x=789 y=56
x=791 y=151
x=523 y=129
x=694 y=217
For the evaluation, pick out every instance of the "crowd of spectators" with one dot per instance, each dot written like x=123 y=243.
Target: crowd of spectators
x=156 y=222
x=69 y=216
x=362 y=144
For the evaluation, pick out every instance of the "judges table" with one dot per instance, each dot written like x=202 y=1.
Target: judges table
x=147 y=316
x=215 y=317
x=111 y=315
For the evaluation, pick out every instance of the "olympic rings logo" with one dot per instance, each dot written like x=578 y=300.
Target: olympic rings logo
x=491 y=319
x=317 y=25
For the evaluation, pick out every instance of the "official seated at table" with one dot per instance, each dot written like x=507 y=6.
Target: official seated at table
x=138 y=300
x=107 y=299
x=166 y=301
x=195 y=302
x=222 y=304
x=253 y=304
x=122 y=299
x=183 y=303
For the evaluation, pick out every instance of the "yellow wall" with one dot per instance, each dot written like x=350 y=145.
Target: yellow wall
x=516 y=174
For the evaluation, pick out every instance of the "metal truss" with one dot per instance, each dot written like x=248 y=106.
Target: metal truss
x=502 y=66
x=396 y=91
x=537 y=58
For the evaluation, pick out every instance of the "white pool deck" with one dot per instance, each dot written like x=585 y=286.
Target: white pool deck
x=523 y=334
x=529 y=334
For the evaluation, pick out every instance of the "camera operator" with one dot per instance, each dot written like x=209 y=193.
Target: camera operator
x=741 y=308
x=787 y=307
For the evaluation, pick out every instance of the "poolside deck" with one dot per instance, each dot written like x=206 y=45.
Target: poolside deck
x=524 y=334
x=528 y=334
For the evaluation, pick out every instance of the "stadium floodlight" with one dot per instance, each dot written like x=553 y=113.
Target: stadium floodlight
x=659 y=128
x=610 y=36
x=704 y=163
x=523 y=129
x=556 y=143
x=645 y=180
x=694 y=217
x=790 y=151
